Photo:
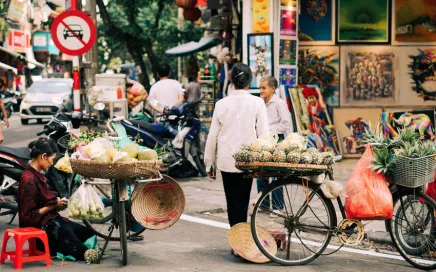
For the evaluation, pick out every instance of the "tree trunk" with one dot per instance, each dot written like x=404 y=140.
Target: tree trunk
x=154 y=60
x=135 y=50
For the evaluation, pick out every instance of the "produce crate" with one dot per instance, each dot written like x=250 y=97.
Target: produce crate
x=411 y=172
x=280 y=167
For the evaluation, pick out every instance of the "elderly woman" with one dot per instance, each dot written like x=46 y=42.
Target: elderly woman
x=238 y=119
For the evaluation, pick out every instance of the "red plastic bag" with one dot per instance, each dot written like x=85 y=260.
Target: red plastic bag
x=367 y=193
x=431 y=189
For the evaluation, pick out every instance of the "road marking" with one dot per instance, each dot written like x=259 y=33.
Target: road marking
x=345 y=249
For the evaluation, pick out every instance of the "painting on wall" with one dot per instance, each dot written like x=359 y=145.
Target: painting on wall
x=288 y=52
x=313 y=119
x=288 y=23
x=363 y=21
x=414 y=21
x=261 y=16
x=288 y=3
x=288 y=76
x=370 y=76
x=319 y=65
x=417 y=76
x=352 y=123
x=260 y=56
x=317 y=22
x=422 y=121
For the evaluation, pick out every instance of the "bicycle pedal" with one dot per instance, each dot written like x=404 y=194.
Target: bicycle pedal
x=136 y=238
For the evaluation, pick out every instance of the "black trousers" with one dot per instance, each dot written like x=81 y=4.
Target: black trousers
x=67 y=237
x=237 y=190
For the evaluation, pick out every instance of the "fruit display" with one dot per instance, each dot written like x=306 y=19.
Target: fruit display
x=85 y=204
x=291 y=150
x=91 y=256
x=84 y=138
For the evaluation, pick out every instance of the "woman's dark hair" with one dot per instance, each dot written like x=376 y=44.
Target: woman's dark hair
x=42 y=146
x=241 y=75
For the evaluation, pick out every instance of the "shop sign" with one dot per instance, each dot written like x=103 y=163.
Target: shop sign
x=40 y=41
x=52 y=49
x=18 y=40
x=17 y=10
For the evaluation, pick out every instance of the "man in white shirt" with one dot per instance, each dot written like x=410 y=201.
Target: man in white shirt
x=166 y=92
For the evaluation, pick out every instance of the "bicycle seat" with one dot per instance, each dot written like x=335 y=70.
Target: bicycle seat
x=19 y=152
x=156 y=129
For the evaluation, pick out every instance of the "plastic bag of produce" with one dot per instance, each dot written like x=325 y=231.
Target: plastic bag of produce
x=431 y=189
x=367 y=193
x=85 y=204
x=332 y=189
x=64 y=164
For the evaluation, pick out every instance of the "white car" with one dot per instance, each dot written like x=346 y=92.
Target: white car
x=45 y=98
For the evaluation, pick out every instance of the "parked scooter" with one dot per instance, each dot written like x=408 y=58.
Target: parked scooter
x=10 y=102
x=178 y=135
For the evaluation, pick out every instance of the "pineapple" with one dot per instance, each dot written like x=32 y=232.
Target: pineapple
x=317 y=158
x=266 y=156
x=306 y=158
x=279 y=156
x=242 y=156
x=293 y=157
x=312 y=150
x=245 y=147
x=328 y=159
x=255 y=156
x=293 y=147
x=91 y=256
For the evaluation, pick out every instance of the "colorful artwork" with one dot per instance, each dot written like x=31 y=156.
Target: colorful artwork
x=414 y=21
x=260 y=56
x=313 y=119
x=352 y=123
x=363 y=21
x=288 y=23
x=288 y=3
x=370 y=76
x=320 y=66
x=316 y=22
x=422 y=121
x=261 y=10
x=288 y=76
x=288 y=52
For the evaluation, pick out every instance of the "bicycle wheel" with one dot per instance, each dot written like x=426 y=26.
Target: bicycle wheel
x=412 y=228
x=123 y=230
x=101 y=226
x=299 y=217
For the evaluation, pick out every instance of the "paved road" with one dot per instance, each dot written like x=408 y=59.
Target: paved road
x=197 y=242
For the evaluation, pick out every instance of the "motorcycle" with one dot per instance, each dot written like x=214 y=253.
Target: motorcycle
x=13 y=161
x=178 y=136
x=10 y=102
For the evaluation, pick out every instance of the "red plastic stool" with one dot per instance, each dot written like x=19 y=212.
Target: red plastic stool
x=20 y=236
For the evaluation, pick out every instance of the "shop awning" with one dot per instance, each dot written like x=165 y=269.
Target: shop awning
x=193 y=47
x=21 y=57
x=7 y=67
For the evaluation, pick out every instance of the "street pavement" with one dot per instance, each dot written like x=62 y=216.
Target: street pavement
x=198 y=241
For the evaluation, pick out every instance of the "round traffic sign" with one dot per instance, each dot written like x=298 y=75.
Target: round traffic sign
x=73 y=32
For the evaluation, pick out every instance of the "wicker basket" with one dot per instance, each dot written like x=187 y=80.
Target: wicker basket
x=159 y=204
x=242 y=242
x=411 y=172
x=128 y=170
x=280 y=167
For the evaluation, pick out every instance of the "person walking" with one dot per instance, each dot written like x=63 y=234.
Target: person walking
x=280 y=124
x=237 y=119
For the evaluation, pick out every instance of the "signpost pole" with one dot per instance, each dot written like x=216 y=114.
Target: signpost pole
x=76 y=77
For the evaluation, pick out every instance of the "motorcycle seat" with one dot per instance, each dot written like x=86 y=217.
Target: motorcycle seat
x=156 y=129
x=19 y=152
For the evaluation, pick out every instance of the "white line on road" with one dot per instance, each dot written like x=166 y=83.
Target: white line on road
x=345 y=249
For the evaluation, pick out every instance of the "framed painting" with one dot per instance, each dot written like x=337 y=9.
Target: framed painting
x=288 y=23
x=352 y=123
x=260 y=56
x=313 y=120
x=414 y=22
x=288 y=52
x=369 y=76
x=417 y=76
x=317 y=22
x=422 y=121
x=261 y=16
x=363 y=21
x=288 y=76
x=319 y=65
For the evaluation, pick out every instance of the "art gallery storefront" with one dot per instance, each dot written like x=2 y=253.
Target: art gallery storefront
x=359 y=62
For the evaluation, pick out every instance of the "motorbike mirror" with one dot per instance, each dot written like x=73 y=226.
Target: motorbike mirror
x=99 y=106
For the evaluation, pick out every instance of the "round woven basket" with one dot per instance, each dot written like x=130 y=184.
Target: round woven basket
x=159 y=204
x=242 y=242
x=127 y=170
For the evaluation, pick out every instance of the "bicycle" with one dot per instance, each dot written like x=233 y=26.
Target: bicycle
x=304 y=230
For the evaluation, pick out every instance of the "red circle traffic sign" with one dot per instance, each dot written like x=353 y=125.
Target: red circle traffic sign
x=73 y=32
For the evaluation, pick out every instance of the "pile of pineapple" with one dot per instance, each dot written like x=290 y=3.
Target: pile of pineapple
x=283 y=153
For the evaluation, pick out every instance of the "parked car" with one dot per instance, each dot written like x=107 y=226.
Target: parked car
x=45 y=98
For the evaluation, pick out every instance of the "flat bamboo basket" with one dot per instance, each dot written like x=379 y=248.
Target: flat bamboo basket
x=280 y=167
